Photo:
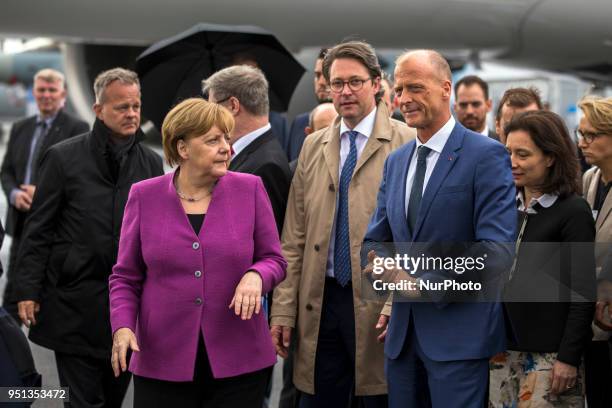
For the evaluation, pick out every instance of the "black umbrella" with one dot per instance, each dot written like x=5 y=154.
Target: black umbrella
x=173 y=69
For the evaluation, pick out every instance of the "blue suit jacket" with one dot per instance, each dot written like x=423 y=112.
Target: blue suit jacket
x=470 y=197
x=296 y=137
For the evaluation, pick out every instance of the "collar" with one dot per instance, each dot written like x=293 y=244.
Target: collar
x=365 y=127
x=48 y=121
x=545 y=201
x=101 y=134
x=240 y=144
x=485 y=131
x=439 y=139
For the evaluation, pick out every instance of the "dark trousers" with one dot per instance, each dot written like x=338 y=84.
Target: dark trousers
x=598 y=375
x=335 y=359
x=8 y=298
x=91 y=381
x=205 y=391
x=289 y=395
x=416 y=381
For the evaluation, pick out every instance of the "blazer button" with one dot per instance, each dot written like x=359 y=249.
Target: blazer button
x=198 y=301
x=317 y=247
x=331 y=187
x=197 y=274
x=195 y=245
x=309 y=307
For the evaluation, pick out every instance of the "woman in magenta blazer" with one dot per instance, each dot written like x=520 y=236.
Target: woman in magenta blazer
x=198 y=249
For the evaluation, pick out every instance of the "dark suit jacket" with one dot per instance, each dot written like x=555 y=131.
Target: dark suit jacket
x=15 y=161
x=296 y=137
x=264 y=157
x=493 y=135
x=279 y=127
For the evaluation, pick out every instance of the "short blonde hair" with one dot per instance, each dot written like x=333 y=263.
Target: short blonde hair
x=50 y=75
x=191 y=118
x=598 y=112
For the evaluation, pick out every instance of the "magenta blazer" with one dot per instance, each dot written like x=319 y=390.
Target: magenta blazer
x=170 y=286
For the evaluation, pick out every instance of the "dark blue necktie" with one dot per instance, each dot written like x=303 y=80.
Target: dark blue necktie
x=416 y=193
x=342 y=249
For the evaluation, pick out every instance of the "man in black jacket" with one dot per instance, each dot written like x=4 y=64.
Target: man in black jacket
x=29 y=138
x=71 y=239
x=243 y=90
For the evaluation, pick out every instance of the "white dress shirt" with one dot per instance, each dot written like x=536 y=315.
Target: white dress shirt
x=365 y=128
x=240 y=144
x=436 y=144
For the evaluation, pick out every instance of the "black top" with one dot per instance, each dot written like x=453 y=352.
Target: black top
x=549 y=298
x=602 y=193
x=196 y=221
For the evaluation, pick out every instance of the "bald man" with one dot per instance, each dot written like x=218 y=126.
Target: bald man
x=320 y=117
x=449 y=185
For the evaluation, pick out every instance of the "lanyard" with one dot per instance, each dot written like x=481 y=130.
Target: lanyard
x=518 y=244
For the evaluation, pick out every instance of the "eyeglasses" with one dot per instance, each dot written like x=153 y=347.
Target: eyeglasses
x=588 y=137
x=354 y=84
x=223 y=100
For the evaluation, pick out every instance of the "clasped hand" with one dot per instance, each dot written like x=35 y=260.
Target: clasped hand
x=391 y=275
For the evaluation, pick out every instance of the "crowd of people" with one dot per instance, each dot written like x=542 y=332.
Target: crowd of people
x=258 y=245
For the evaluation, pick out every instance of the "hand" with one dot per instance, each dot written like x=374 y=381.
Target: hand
x=382 y=324
x=392 y=275
x=123 y=339
x=27 y=310
x=247 y=298
x=602 y=319
x=23 y=201
x=281 y=337
x=563 y=377
x=29 y=189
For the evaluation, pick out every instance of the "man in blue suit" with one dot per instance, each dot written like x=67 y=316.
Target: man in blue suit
x=449 y=185
x=297 y=134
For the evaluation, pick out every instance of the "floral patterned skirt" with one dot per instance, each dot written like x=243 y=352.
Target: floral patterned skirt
x=520 y=379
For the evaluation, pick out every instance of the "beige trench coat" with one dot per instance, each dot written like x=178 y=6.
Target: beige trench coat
x=306 y=237
x=603 y=226
x=603 y=229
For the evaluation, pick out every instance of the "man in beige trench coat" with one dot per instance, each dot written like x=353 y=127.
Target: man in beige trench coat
x=332 y=197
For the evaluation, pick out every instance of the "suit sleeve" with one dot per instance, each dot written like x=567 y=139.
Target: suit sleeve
x=7 y=172
x=277 y=186
x=268 y=258
x=578 y=236
x=285 y=301
x=40 y=227
x=125 y=283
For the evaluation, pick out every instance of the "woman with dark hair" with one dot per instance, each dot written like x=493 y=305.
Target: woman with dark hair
x=548 y=299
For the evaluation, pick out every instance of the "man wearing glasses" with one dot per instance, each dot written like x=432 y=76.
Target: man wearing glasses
x=332 y=198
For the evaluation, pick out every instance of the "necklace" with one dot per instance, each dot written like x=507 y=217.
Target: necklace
x=192 y=199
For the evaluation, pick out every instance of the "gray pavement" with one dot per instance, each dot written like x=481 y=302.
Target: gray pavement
x=44 y=358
